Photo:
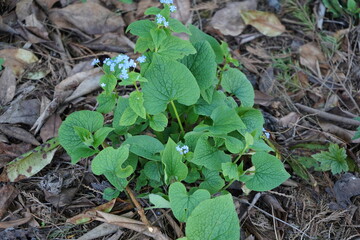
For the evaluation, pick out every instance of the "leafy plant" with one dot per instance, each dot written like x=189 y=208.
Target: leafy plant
x=1 y=63
x=341 y=7
x=181 y=131
x=334 y=159
x=357 y=133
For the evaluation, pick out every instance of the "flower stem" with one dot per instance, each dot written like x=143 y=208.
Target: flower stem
x=177 y=117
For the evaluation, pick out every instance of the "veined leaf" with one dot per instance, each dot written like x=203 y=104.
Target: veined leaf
x=225 y=120
x=175 y=48
x=145 y=146
x=136 y=102
x=213 y=182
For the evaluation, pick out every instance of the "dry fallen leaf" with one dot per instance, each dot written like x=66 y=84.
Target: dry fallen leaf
x=19 y=133
x=14 y=223
x=22 y=112
x=183 y=12
x=265 y=22
x=8 y=86
x=17 y=59
x=50 y=128
x=46 y=4
x=88 y=17
x=289 y=120
x=228 y=20
x=7 y=194
x=311 y=57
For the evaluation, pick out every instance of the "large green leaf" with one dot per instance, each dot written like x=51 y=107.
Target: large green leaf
x=168 y=81
x=145 y=146
x=71 y=141
x=141 y=28
x=214 y=219
x=158 y=122
x=109 y=162
x=209 y=156
x=213 y=182
x=182 y=203
x=234 y=81
x=269 y=172
x=122 y=104
x=218 y=99
x=175 y=169
x=252 y=118
x=106 y=102
x=29 y=163
x=198 y=36
x=153 y=170
x=225 y=120
x=175 y=48
x=202 y=64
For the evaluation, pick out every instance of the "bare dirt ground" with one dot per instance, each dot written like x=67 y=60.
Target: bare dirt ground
x=307 y=83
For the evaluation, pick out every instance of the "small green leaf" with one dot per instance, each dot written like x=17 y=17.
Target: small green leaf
x=225 y=120
x=218 y=99
x=107 y=163
x=175 y=169
x=145 y=146
x=158 y=36
x=71 y=141
x=177 y=26
x=110 y=82
x=153 y=170
x=175 y=48
x=202 y=64
x=234 y=81
x=357 y=133
x=213 y=182
x=253 y=120
x=230 y=170
x=1 y=63
x=192 y=176
x=233 y=144
x=122 y=104
x=136 y=102
x=209 y=156
x=141 y=28
x=133 y=78
x=269 y=172
x=158 y=122
x=128 y=117
x=85 y=135
x=106 y=102
x=168 y=81
x=152 y=11
x=182 y=203
x=334 y=159
x=214 y=219
x=198 y=36
x=110 y=193
x=159 y=201
x=100 y=135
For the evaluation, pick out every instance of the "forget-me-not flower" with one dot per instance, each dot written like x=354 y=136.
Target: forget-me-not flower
x=103 y=85
x=95 y=61
x=166 y=1
x=141 y=59
x=182 y=150
x=172 y=8
x=267 y=134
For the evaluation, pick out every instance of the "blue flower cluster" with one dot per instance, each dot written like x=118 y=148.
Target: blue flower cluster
x=182 y=150
x=161 y=20
x=167 y=1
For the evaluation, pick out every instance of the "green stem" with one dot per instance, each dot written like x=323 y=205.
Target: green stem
x=177 y=117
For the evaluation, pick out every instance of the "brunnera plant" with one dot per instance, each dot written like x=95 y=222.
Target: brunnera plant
x=181 y=132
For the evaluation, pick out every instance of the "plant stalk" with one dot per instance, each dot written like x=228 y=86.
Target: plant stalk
x=178 y=118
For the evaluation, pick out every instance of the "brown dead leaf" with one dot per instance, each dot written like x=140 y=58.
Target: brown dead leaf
x=183 y=12
x=23 y=9
x=143 y=5
x=36 y=27
x=88 y=17
x=263 y=99
x=265 y=22
x=311 y=56
x=17 y=59
x=61 y=199
x=46 y=4
x=259 y=52
x=50 y=128
x=14 y=223
x=289 y=120
x=344 y=134
x=22 y=112
x=228 y=20
x=8 y=86
x=267 y=81
x=19 y=133
x=100 y=231
x=7 y=194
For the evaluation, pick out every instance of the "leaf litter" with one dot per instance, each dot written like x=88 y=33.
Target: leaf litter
x=307 y=81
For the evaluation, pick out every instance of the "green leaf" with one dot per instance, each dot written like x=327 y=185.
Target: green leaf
x=168 y=81
x=153 y=170
x=158 y=122
x=177 y=26
x=253 y=120
x=209 y=156
x=334 y=159
x=100 y=135
x=182 y=203
x=106 y=102
x=141 y=28
x=152 y=11
x=233 y=144
x=136 y=102
x=110 y=193
x=159 y=201
x=175 y=48
x=234 y=81
x=202 y=64
x=175 y=169
x=192 y=176
x=230 y=170
x=85 y=135
x=214 y=219
x=269 y=172
x=30 y=163
x=198 y=36
x=225 y=120
x=133 y=78
x=145 y=146
x=110 y=82
x=158 y=36
x=357 y=133
x=71 y=141
x=128 y=117
x=213 y=182
x=218 y=99
x=108 y=161
x=143 y=44
x=122 y=104
x=1 y=63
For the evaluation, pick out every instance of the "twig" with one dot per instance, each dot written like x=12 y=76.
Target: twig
x=276 y=218
x=328 y=116
x=173 y=224
x=139 y=208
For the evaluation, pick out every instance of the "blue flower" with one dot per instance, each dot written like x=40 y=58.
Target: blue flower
x=166 y=1
x=112 y=66
x=141 y=59
x=95 y=62
x=172 y=8
x=103 y=85
x=182 y=150
x=267 y=134
x=166 y=24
